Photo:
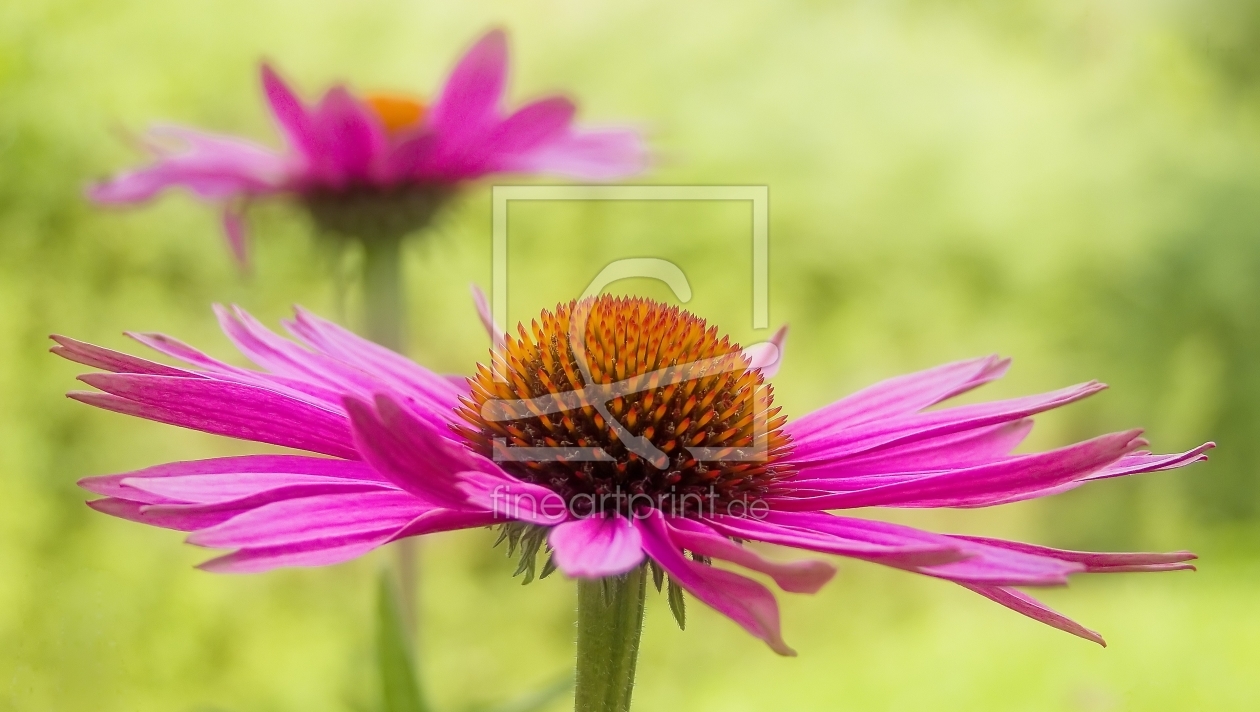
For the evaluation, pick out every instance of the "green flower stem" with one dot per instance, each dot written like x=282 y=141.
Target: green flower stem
x=610 y=620
x=383 y=302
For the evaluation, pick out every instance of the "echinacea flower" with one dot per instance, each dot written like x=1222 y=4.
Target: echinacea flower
x=380 y=164
x=613 y=433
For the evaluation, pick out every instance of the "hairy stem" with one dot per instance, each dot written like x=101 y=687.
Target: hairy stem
x=610 y=619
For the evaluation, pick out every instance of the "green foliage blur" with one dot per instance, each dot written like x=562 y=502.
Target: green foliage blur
x=1075 y=184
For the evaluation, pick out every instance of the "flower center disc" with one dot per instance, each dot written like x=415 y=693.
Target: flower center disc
x=652 y=409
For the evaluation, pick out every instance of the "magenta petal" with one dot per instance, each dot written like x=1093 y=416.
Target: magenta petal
x=509 y=142
x=509 y=499
x=768 y=355
x=427 y=389
x=470 y=99
x=231 y=409
x=329 y=518
x=881 y=542
x=412 y=454
x=795 y=577
x=904 y=394
x=741 y=599
x=949 y=452
x=1027 y=605
x=1098 y=562
x=983 y=484
x=279 y=467
x=260 y=559
x=110 y=360
x=596 y=547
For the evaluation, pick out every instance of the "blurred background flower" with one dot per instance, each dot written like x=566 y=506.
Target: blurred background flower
x=1071 y=183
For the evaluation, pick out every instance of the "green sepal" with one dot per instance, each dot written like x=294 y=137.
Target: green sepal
x=678 y=604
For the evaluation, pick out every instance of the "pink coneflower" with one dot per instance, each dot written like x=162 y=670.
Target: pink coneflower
x=652 y=446
x=379 y=165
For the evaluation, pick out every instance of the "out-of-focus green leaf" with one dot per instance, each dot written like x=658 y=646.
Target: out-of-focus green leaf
x=535 y=701
x=400 y=688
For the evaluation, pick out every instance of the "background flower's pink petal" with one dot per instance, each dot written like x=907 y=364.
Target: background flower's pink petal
x=509 y=499
x=830 y=445
x=469 y=102
x=983 y=484
x=235 y=410
x=412 y=454
x=329 y=519
x=596 y=547
x=768 y=355
x=292 y=116
x=212 y=167
x=1098 y=562
x=235 y=230
x=412 y=158
x=433 y=393
x=895 y=464
x=1023 y=603
x=904 y=394
x=506 y=146
x=351 y=139
x=589 y=155
x=743 y=600
x=795 y=576
x=110 y=360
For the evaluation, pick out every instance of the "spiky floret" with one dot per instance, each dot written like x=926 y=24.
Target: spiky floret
x=670 y=382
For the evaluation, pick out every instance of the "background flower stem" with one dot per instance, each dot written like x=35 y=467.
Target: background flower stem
x=383 y=300
x=610 y=620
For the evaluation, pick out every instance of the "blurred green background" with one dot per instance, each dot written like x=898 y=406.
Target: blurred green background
x=1072 y=183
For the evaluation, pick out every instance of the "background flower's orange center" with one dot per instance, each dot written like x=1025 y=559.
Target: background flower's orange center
x=397 y=112
x=712 y=404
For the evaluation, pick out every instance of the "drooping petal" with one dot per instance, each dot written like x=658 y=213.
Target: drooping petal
x=741 y=599
x=509 y=499
x=236 y=232
x=903 y=395
x=231 y=409
x=1021 y=602
x=983 y=484
x=261 y=471
x=596 y=547
x=435 y=394
x=880 y=542
x=325 y=518
x=818 y=447
x=1098 y=562
x=895 y=464
x=795 y=577
x=110 y=360
x=213 y=167
x=411 y=453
